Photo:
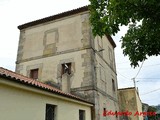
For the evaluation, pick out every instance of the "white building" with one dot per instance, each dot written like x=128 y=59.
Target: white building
x=23 y=98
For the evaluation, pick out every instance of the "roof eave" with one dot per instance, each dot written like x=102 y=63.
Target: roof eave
x=26 y=83
x=54 y=17
x=111 y=40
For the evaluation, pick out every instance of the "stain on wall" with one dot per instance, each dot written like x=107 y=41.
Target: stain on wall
x=49 y=41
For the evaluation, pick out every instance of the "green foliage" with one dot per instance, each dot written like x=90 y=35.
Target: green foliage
x=140 y=41
x=151 y=109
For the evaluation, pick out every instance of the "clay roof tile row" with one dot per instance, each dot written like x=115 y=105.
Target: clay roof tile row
x=15 y=77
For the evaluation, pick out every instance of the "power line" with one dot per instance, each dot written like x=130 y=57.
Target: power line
x=143 y=66
x=122 y=75
x=151 y=91
x=126 y=78
x=148 y=81
x=151 y=65
x=139 y=70
x=137 y=75
x=122 y=62
x=147 y=78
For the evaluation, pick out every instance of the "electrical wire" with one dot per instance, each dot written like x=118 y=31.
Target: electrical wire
x=151 y=91
x=126 y=78
x=143 y=66
x=151 y=65
x=122 y=75
x=139 y=70
x=149 y=81
x=147 y=78
x=122 y=62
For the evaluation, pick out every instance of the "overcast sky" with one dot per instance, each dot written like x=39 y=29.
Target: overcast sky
x=17 y=12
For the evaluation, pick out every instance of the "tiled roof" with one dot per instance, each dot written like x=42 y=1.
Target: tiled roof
x=12 y=76
x=54 y=17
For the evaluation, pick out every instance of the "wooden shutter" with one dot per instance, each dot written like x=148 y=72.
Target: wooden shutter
x=34 y=74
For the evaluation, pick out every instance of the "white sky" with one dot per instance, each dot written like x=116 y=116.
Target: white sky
x=17 y=12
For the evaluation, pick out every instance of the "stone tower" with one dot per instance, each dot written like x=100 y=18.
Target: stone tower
x=60 y=50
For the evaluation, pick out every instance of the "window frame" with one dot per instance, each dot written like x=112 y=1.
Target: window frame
x=83 y=113
x=100 y=46
x=33 y=73
x=64 y=69
x=53 y=117
x=113 y=85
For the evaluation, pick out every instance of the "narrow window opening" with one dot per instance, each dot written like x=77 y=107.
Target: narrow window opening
x=34 y=74
x=110 y=54
x=50 y=112
x=66 y=68
x=81 y=115
x=113 y=85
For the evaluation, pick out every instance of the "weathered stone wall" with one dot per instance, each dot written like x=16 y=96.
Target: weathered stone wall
x=54 y=43
x=70 y=40
x=51 y=39
x=129 y=100
x=105 y=72
x=139 y=104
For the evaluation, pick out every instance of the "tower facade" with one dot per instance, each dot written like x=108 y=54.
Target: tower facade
x=60 y=50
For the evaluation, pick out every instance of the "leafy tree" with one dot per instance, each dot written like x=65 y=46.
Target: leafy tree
x=143 y=17
x=151 y=109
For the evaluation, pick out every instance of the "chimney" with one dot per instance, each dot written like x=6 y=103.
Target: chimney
x=65 y=86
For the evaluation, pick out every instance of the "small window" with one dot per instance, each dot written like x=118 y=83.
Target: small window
x=113 y=85
x=81 y=115
x=100 y=46
x=110 y=54
x=66 y=68
x=50 y=112
x=102 y=73
x=34 y=73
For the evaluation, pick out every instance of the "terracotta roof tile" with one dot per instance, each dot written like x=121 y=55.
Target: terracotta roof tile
x=12 y=76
